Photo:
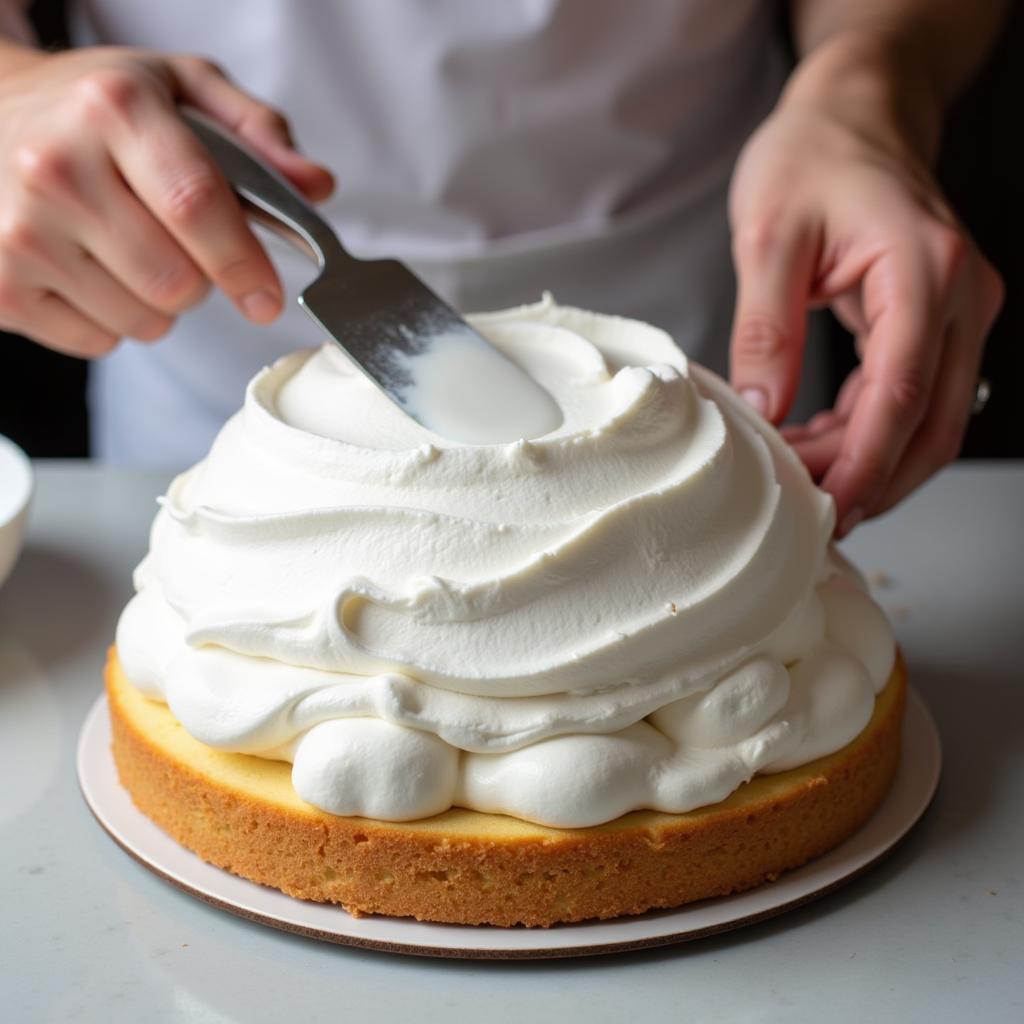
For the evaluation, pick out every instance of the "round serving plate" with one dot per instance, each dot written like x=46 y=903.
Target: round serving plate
x=908 y=799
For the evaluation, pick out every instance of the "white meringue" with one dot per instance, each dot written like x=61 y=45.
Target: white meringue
x=416 y=622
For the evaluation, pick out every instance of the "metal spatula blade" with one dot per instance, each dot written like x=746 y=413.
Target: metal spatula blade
x=409 y=342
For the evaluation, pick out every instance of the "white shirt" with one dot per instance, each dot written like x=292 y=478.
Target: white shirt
x=501 y=147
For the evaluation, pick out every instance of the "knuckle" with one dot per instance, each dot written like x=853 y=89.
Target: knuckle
x=908 y=393
x=109 y=91
x=44 y=166
x=950 y=250
x=190 y=196
x=18 y=236
x=758 y=338
x=756 y=237
x=173 y=289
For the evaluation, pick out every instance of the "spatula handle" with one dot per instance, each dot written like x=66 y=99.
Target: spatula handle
x=264 y=194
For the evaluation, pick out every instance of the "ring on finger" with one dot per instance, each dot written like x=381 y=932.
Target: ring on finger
x=982 y=393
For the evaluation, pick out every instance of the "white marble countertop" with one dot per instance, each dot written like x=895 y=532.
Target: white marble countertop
x=934 y=933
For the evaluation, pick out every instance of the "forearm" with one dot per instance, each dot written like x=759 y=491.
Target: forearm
x=897 y=62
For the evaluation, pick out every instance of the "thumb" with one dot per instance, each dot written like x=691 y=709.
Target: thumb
x=774 y=275
x=206 y=87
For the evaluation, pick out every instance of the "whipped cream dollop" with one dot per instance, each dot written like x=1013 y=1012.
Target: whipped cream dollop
x=639 y=609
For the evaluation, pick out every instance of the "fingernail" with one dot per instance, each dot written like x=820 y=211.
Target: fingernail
x=757 y=399
x=260 y=306
x=853 y=517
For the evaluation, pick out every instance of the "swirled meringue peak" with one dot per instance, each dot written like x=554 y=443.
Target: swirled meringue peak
x=639 y=609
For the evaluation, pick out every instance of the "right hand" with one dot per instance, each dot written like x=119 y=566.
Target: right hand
x=113 y=218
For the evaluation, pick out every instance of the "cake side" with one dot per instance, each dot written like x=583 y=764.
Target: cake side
x=241 y=813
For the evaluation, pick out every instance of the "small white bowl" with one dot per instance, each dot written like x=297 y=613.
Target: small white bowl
x=15 y=496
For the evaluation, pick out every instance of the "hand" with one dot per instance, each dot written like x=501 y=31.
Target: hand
x=832 y=203
x=113 y=219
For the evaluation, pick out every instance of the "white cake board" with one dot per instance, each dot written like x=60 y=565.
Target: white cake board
x=912 y=791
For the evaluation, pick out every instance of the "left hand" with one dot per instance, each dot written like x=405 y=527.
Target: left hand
x=833 y=205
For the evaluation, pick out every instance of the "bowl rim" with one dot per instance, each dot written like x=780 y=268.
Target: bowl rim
x=23 y=475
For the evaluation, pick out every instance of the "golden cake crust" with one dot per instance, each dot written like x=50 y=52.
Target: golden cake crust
x=241 y=813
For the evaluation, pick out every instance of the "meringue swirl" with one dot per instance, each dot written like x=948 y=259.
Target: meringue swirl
x=637 y=610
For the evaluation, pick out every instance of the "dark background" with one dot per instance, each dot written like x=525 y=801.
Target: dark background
x=42 y=394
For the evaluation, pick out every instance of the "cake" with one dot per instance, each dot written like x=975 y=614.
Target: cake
x=616 y=667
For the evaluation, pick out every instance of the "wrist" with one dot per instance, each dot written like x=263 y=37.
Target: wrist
x=876 y=83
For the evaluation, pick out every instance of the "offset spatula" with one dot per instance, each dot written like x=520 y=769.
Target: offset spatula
x=410 y=343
